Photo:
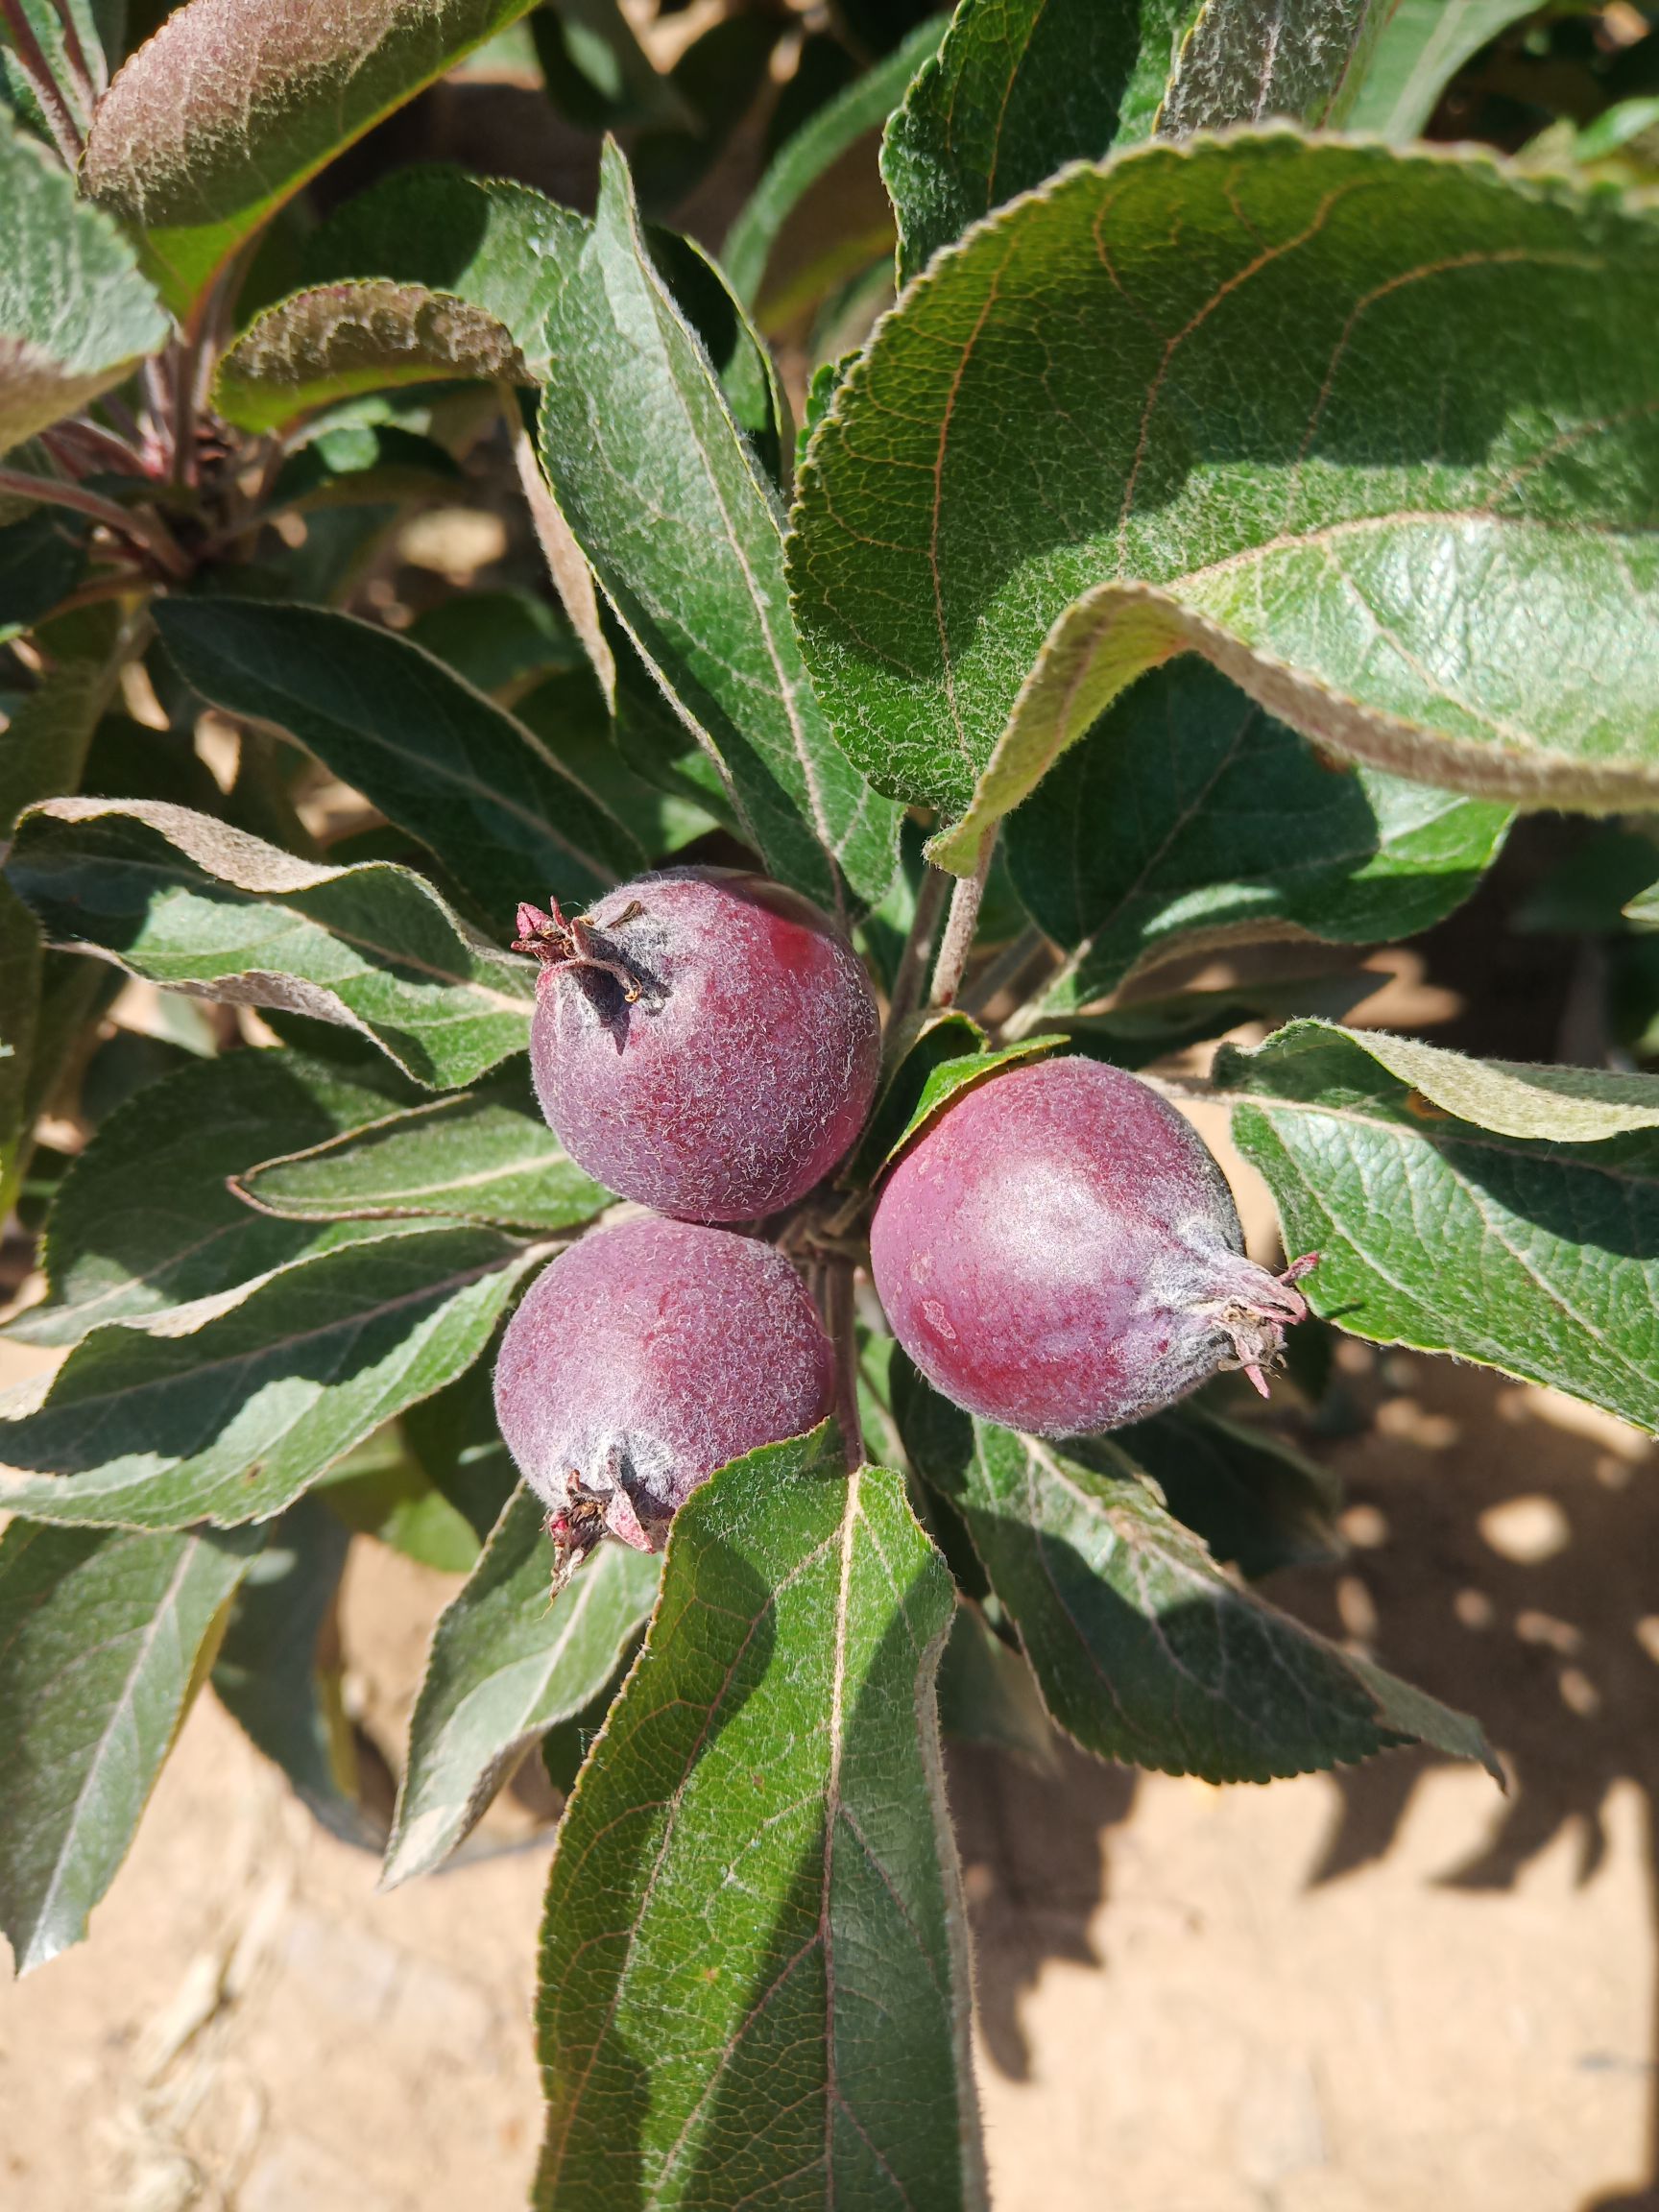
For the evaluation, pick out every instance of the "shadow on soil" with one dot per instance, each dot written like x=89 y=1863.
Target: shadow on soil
x=1505 y=1556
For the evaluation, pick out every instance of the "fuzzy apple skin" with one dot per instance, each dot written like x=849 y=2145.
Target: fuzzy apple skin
x=1061 y=1254
x=644 y=1358
x=742 y=1071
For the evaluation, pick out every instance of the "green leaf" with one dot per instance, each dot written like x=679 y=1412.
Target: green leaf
x=339 y=340
x=21 y=980
x=146 y=1222
x=273 y=1678
x=98 y=26
x=1143 y=1650
x=913 y=1050
x=1257 y=1503
x=1420 y=47
x=43 y=745
x=950 y=1078
x=1018 y=89
x=103 y=1638
x=479 y=790
x=813 y=150
x=454 y=1439
x=469 y=1158
x=596 y=71
x=1643 y=909
x=987 y=1696
x=1241 y=62
x=1189 y=815
x=192 y=903
x=668 y=503
x=569 y=713
x=41 y=559
x=500 y=247
x=383 y=1491
x=228 y=110
x=740 y=357
x=500 y=640
x=1369 y=431
x=753 y=1980
x=232 y=1423
x=1508 y=1215
x=75 y=314
x=508 y=1662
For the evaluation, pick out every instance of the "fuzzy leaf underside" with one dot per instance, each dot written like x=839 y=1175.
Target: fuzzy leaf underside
x=75 y=314
x=1356 y=426
x=481 y=1158
x=102 y=1636
x=222 y=115
x=197 y=907
x=507 y=1663
x=232 y=1422
x=337 y=341
x=751 y=1964
x=1501 y=1213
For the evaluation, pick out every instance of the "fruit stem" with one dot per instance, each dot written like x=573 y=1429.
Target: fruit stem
x=959 y=928
x=907 y=980
x=838 y=1319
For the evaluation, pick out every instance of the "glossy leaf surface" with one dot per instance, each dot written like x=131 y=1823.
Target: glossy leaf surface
x=670 y=506
x=1188 y=815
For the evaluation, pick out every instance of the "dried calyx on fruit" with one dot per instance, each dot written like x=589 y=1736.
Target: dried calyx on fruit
x=1060 y=1253
x=641 y=1360
x=705 y=1041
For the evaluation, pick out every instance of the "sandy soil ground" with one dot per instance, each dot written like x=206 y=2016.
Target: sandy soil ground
x=1381 y=1992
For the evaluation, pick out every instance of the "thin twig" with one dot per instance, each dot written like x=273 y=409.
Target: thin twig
x=1005 y=971
x=839 y=1319
x=126 y=423
x=113 y=583
x=907 y=980
x=132 y=523
x=99 y=445
x=181 y=361
x=959 y=929
x=59 y=115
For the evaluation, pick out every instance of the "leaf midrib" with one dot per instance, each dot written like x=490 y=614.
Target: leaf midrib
x=163 y=1611
x=442 y=1288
